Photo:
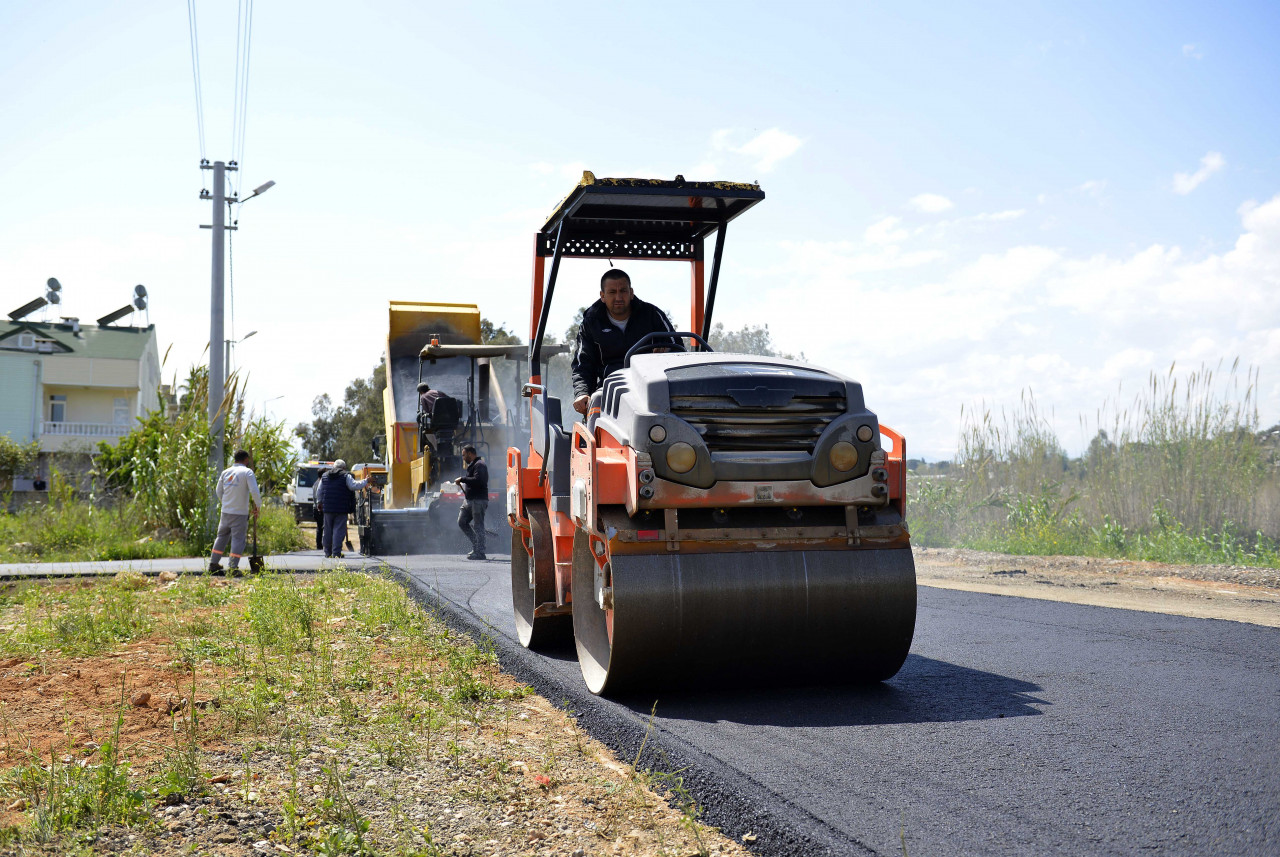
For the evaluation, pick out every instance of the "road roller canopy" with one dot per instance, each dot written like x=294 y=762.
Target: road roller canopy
x=643 y=218
x=654 y=219
x=436 y=351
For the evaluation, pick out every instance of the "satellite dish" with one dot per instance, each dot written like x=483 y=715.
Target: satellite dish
x=140 y=302
x=54 y=298
x=54 y=285
x=140 y=291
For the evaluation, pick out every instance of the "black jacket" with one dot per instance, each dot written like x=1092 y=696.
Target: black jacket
x=601 y=344
x=475 y=484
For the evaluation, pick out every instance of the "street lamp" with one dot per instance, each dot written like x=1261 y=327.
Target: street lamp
x=227 y=348
x=266 y=402
x=259 y=190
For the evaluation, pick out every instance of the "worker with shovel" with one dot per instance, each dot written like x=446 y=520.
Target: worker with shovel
x=237 y=489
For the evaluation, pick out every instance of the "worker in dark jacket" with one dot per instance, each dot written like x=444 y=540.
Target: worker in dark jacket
x=610 y=326
x=475 y=493
x=337 y=492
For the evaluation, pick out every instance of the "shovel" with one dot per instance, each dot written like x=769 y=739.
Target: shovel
x=256 y=563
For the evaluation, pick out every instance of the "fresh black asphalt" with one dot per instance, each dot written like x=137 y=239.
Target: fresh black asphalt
x=1016 y=726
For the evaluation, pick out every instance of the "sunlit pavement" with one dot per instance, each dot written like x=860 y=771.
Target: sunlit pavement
x=308 y=560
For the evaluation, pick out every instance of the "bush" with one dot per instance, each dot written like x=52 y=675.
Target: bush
x=162 y=465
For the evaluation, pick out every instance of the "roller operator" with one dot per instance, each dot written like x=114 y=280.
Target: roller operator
x=610 y=327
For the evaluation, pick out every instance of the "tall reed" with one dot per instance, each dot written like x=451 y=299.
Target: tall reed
x=1180 y=471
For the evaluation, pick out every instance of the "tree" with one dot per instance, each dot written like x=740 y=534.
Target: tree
x=751 y=339
x=346 y=431
x=490 y=335
x=15 y=458
x=571 y=333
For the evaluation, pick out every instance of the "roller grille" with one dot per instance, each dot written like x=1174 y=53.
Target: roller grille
x=726 y=426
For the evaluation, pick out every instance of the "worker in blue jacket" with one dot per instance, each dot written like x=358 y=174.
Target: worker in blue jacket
x=336 y=491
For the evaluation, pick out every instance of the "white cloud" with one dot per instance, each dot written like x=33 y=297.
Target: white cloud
x=1184 y=183
x=886 y=231
x=767 y=148
x=997 y=216
x=1093 y=187
x=930 y=203
x=1191 y=51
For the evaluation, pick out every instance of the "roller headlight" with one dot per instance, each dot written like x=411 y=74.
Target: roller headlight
x=681 y=457
x=864 y=433
x=657 y=434
x=843 y=456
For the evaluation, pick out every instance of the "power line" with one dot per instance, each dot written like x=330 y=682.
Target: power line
x=240 y=109
x=193 y=31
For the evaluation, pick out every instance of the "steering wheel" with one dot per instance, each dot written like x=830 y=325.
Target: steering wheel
x=647 y=343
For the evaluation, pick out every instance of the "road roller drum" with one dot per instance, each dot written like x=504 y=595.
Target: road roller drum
x=789 y=616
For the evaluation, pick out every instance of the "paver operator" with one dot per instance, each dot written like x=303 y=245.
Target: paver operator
x=610 y=326
x=237 y=489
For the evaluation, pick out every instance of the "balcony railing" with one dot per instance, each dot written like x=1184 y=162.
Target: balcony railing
x=84 y=429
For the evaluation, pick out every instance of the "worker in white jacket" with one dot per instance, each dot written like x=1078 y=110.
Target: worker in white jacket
x=237 y=489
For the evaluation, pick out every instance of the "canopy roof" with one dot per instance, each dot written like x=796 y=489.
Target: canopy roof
x=434 y=352
x=643 y=218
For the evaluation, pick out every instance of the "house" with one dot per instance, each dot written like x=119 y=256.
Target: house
x=69 y=385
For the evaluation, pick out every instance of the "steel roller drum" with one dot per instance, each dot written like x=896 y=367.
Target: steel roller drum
x=792 y=616
x=541 y=631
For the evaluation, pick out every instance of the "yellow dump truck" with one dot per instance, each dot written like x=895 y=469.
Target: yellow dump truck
x=439 y=344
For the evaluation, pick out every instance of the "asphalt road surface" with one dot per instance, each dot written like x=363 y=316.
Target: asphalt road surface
x=1017 y=726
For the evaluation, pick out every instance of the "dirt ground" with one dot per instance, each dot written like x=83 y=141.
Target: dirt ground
x=530 y=783
x=1203 y=591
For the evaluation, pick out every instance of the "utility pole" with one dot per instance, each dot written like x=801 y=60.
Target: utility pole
x=218 y=349
x=217 y=367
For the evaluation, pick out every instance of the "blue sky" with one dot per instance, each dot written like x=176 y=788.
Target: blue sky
x=963 y=203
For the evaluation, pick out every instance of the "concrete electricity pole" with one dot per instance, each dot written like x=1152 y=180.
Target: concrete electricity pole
x=217 y=368
x=217 y=344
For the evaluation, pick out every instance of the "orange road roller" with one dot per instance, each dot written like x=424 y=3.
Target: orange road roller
x=717 y=515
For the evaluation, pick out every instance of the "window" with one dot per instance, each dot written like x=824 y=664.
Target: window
x=121 y=411
x=26 y=341
x=57 y=408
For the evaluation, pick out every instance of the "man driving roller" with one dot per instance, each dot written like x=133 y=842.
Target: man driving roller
x=610 y=327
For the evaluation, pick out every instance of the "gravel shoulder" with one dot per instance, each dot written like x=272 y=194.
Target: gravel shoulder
x=1202 y=591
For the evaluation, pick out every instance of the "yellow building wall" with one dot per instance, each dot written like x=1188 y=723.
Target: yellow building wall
x=90 y=371
x=89 y=405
